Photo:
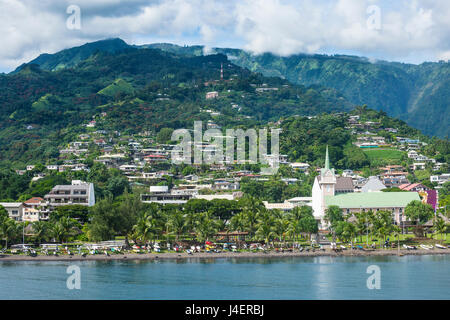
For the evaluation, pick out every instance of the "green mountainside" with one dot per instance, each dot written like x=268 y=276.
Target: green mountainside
x=140 y=89
x=418 y=94
x=71 y=57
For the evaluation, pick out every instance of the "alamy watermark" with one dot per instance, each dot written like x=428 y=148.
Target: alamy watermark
x=74 y=280
x=374 y=280
x=373 y=21
x=212 y=147
x=73 y=22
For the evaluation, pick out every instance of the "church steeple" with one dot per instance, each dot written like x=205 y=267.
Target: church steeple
x=327 y=160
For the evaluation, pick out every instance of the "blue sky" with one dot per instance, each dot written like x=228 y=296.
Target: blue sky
x=411 y=31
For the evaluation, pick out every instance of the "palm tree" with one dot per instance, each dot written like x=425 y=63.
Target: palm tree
x=294 y=229
x=362 y=223
x=252 y=208
x=266 y=227
x=238 y=222
x=40 y=230
x=397 y=231
x=68 y=225
x=281 y=227
x=333 y=215
x=206 y=226
x=251 y=221
x=177 y=223
x=265 y=232
x=8 y=229
x=439 y=225
x=148 y=226
x=57 y=231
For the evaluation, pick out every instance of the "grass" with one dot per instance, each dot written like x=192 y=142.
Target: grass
x=118 y=86
x=383 y=154
x=404 y=239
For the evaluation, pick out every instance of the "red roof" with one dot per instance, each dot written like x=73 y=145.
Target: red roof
x=409 y=186
x=34 y=200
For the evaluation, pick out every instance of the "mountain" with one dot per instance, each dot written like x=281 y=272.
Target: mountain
x=42 y=107
x=71 y=57
x=418 y=94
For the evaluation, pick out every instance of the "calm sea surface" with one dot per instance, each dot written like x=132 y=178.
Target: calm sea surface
x=408 y=277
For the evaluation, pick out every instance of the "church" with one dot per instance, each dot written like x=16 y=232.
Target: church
x=330 y=189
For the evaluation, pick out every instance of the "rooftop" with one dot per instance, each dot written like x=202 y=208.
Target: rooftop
x=372 y=199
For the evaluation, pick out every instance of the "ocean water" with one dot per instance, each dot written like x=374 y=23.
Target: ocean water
x=407 y=277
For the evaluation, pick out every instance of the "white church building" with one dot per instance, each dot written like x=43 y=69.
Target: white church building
x=329 y=189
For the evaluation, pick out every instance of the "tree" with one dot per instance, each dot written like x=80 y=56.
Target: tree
x=128 y=211
x=8 y=229
x=397 y=232
x=177 y=223
x=363 y=220
x=439 y=225
x=40 y=229
x=382 y=224
x=148 y=225
x=420 y=213
x=104 y=220
x=164 y=135
x=75 y=211
x=345 y=230
x=281 y=227
x=205 y=226
x=117 y=185
x=57 y=231
x=238 y=222
x=69 y=226
x=333 y=215
x=266 y=227
x=3 y=213
x=309 y=225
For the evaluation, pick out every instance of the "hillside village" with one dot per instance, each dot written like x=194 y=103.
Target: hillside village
x=104 y=167
x=145 y=161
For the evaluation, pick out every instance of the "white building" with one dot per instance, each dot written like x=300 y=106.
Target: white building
x=323 y=186
x=15 y=210
x=440 y=180
x=324 y=195
x=78 y=192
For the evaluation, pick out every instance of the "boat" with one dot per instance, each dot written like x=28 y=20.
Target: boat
x=342 y=247
x=425 y=247
x=440 y=246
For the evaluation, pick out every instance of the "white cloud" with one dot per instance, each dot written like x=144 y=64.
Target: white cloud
x=409 y=30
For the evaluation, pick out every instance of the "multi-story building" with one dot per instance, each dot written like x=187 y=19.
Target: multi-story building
x=162 y=195
x=78 y=192
x=36 y=209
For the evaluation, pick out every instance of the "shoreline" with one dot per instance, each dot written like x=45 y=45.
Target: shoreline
x=223 y=255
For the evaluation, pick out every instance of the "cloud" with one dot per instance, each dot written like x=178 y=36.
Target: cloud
x=405 y=30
